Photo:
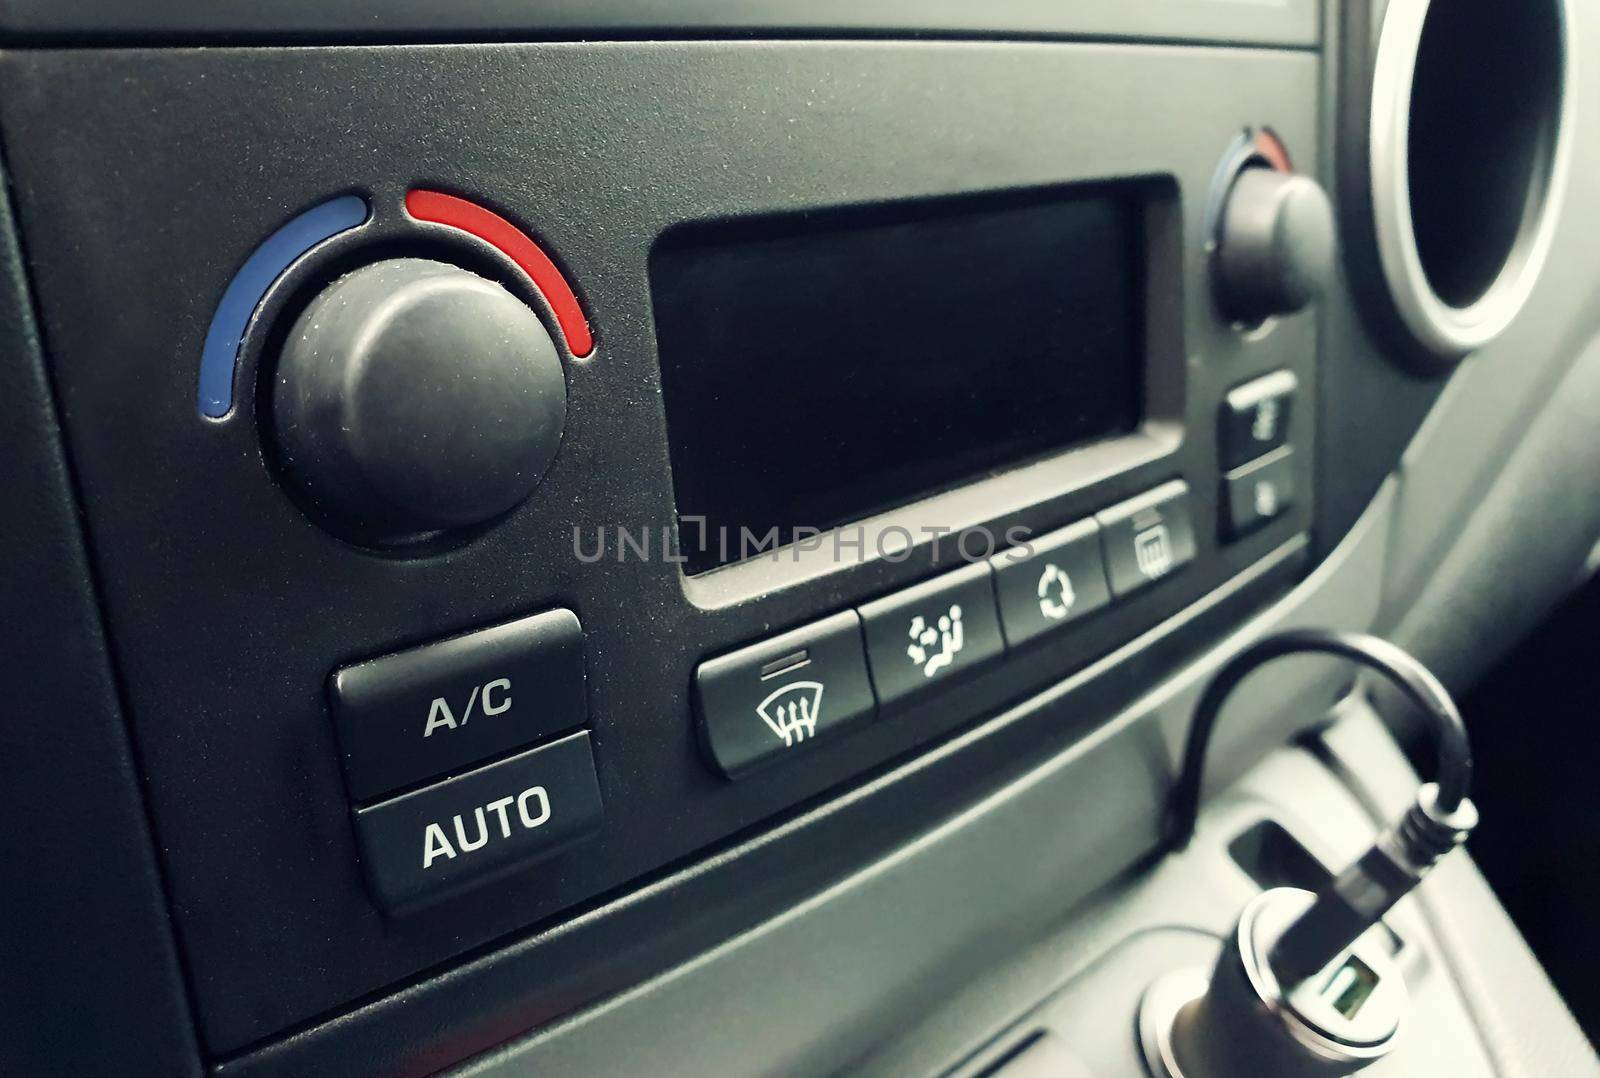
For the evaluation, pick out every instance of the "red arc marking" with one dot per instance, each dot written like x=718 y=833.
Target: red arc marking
x=469 y=217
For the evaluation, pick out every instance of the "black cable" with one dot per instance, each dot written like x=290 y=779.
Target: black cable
x=1453 y=769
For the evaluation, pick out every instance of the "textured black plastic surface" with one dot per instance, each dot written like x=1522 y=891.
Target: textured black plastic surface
x=229 y=606
x=413 y=396
x=89 y=972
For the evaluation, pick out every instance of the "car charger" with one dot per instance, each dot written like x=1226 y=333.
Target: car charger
x=1304 y=986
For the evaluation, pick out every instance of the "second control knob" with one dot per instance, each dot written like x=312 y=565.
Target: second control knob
x=414 y=397
x=1275 y=245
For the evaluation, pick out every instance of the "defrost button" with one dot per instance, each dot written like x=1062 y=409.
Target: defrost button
x=776 y=699
x=1147 y=538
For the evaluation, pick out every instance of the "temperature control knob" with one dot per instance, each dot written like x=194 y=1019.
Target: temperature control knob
x=1275 y=245
x=414 y=397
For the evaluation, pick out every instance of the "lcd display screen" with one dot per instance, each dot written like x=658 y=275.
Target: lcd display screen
x=823 y=368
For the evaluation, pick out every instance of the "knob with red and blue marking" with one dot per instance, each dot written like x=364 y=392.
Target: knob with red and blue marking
x=414 y=397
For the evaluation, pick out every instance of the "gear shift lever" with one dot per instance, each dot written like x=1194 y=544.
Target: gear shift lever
x=1302 y=986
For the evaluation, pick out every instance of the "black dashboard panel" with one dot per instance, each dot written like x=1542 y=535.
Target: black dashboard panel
x=86 y=887
x=229 y=608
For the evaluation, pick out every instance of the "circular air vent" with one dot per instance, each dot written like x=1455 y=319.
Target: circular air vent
x=1468 y=145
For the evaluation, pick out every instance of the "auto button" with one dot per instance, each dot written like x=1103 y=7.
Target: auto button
x=479 y=826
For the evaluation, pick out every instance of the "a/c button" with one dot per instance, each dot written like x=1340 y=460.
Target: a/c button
x=479 y=826
x=445 y=706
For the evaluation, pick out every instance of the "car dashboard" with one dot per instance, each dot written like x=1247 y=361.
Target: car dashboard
x=614 y=537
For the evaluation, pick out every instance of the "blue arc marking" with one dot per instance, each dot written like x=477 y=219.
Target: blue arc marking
x=265 y=265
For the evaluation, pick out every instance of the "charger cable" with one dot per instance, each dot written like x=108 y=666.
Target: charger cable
x=1437 y=822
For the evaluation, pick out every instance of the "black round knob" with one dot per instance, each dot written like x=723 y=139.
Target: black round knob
x=414 y=397
x=1275 y=245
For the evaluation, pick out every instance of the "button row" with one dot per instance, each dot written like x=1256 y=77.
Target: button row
x=1253 y=436
x=438 y=709
x=770 y=700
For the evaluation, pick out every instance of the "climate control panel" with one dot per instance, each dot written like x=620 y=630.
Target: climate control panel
x=347 y=430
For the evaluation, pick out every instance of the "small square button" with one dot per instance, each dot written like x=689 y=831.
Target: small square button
x=1255 y=418
x=1050 y=582
x=1147 y=538
x=931 y=633
x=1259 y=493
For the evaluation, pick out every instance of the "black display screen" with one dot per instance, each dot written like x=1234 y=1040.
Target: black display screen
x=822 y=368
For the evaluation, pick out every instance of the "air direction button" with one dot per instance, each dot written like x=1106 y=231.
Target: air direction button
x=777 y=699
x=1254 y=418
x=932 y=633
x=443 y=706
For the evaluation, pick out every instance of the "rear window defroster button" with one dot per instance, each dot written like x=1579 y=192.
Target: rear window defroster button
x=1148 y=538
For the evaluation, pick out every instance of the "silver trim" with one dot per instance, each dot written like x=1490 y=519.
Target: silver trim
x=1163 y=1001
x=1443 y=328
